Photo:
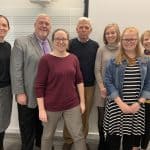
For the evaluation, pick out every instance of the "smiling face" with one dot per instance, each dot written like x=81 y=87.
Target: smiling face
x=146 y=41
x=129 y=41
x=4 y=28
x=60 y=41
x=111 y=35
x=42 y=27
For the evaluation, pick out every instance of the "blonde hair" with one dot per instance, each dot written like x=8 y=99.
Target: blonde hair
x=147 y=32
x=116 y=29
x=121 y=55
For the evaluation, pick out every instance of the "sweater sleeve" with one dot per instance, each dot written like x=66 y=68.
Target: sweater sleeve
x=98 y=66
x=41 y=77
x=16 y=67
x=78 y=76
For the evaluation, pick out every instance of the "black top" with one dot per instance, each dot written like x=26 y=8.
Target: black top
x=5 y=51
x=86 y=53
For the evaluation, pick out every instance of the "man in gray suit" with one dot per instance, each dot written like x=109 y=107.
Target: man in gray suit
x=25 y=56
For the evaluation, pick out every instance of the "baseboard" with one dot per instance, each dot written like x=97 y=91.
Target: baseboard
x=15 y=132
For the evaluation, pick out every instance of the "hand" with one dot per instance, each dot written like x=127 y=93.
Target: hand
x=135 y=107
x=126 y=109
x=21 y=99
x=43 y=116
x=103 y=92
x=142 y=100
x=123 y=106
x=82 y=107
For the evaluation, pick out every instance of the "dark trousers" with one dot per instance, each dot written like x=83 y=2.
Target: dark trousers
x=1 y=140
x=102 y=143
x=114 y=142
x=146 y=137
x=30 y=127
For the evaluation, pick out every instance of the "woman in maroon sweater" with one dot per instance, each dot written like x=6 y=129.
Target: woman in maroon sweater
x=59 y=91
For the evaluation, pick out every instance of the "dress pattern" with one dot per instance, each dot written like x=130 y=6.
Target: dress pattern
x=115 y=121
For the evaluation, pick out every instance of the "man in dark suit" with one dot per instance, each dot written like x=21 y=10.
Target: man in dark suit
x=25 y=56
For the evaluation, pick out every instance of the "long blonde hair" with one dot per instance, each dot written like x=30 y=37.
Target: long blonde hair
x=121 y=55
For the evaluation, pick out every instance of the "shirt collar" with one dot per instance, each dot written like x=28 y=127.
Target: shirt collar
x=39 y=40
x=81 y=41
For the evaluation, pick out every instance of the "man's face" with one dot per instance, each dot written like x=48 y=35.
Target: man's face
x=83 y=29
x=42 y=27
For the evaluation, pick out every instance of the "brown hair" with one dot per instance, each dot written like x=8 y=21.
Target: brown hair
x=60 y=29
x=1 y=16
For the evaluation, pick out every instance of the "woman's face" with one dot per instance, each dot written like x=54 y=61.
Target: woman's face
x=129 y=41
x=4 y=28
x=111 y=35
x=146 y=41
x=61 y=41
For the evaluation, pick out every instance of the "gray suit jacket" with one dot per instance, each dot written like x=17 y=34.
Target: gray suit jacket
x=25 y=56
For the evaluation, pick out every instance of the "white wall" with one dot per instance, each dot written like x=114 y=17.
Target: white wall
x=53 y=3
x=124 y=12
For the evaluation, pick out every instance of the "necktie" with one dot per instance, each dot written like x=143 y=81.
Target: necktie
x=45 y=47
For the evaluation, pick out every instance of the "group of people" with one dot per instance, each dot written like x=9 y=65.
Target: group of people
x=123 y=89
x=53 y=79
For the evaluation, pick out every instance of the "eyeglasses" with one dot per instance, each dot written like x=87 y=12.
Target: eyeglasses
x=129 y=40
x=58 y=39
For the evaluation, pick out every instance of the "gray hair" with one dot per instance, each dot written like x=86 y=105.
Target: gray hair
x=42 y=15
x=84 y=19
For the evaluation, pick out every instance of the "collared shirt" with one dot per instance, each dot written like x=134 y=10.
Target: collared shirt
x=41 y=45
x=81 y=41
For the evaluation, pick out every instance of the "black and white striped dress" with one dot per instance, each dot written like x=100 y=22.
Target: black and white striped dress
x=115 y=121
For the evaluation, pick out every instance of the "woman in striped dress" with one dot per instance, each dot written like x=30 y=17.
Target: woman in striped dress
x=128 y=84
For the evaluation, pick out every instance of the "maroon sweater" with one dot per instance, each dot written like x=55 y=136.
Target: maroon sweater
x=56 y=81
